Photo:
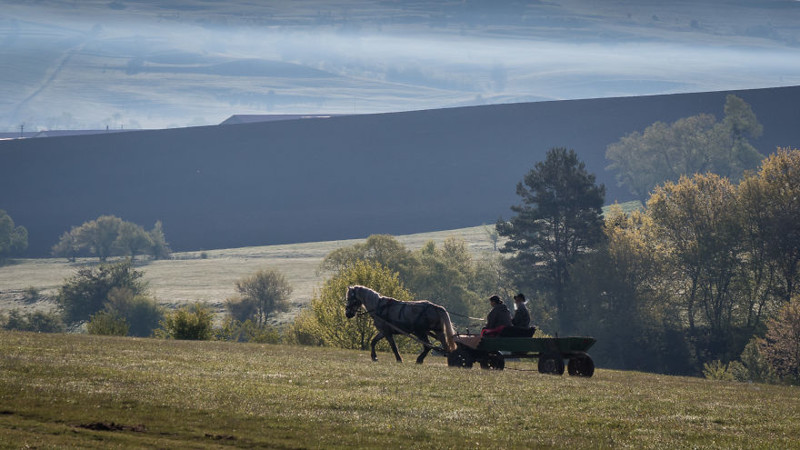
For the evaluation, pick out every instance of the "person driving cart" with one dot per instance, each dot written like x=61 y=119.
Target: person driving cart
x=498 y=319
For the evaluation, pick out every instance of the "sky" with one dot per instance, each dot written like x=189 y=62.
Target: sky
x=147 y=64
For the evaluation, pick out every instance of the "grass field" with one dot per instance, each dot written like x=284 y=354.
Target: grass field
x=102 y=392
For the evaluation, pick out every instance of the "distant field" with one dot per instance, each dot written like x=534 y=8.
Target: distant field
x=209 y=276
x=83 y=391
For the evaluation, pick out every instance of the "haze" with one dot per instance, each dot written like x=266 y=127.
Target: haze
x=147 y=64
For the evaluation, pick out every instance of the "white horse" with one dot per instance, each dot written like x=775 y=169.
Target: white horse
x=418 y=318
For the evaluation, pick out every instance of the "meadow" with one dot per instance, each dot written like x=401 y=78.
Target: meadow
x=86 y=391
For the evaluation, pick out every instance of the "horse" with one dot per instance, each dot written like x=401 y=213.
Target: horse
x=391 y=316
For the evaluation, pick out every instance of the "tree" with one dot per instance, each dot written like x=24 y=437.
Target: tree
x=623 y=301
x=69 y=245
x=132 y=239
x=13 y=239
x=383 y=249
x=698 y=219
x=159 y=248
x=87 y=291
x=781 y=345
x=771 y=202
x=696 y=144
x=267 y=291
x=141 y=313
x=100 y=234
x=559 y=220
x=326 y=321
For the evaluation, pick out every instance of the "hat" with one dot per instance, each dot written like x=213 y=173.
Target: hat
x=495 y=299
x=520 y=297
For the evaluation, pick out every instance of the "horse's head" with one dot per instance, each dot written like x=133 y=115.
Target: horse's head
x=353 y=303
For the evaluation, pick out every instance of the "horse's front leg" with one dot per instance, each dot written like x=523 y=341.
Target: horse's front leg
x=390 y=338
x=425 y=348
x=375 y=340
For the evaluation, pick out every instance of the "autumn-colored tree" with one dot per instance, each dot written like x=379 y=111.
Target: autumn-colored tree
x=781 y=345
x=698 y=220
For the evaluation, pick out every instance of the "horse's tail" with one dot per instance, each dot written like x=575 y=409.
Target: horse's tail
x=449 y=332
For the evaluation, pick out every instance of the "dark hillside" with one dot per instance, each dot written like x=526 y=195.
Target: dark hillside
x=337 y=178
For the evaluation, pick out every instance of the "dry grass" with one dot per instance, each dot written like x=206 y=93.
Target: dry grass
x=60 y=390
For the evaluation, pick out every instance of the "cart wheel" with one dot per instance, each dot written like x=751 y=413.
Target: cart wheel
x=494 y=361
x=460 y=358
x=551 y=364
x=581 y=366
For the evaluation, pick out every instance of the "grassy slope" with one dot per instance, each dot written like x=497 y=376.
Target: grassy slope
x=209 y=394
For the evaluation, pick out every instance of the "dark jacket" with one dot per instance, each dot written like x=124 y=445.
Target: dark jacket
x=522 y=318
x=498 y=316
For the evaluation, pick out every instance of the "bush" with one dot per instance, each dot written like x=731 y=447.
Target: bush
x=106 y=323
x=717 y=370
x=37 y=321
x=140 y=312
x=87 y=291
x=193 y=322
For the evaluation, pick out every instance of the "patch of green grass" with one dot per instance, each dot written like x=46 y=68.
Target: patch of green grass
x=56 y=390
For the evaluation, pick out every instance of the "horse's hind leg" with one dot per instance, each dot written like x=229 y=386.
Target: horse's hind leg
x=390 y=338
x=425 y=349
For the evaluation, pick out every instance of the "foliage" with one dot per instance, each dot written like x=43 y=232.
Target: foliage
x=247 y=331
x=106 y=323
x=326 y=320
x=559 y=220
x=447 y=275
x=771 y=203
x=87 y=291
x=781 y=345
x=13 y=239
x=193 y=322
x=262 y=293
x=382 y=249
x=696 y=144
x=36 y=321
x=622 y=300
x=717 y=370
x=698 y=220
x=141 y=313
x=109 y=235
x=752 y=366
x=159 y=248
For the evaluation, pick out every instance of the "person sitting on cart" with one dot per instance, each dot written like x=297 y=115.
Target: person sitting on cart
x=522 y=318
x=498 y=319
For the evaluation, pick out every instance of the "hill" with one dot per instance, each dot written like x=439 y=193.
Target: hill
x=99 y=392
x=337 y=178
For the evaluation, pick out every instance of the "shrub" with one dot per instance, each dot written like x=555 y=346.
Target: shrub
x=87 y=291
x=107 y=324
x=752 y=365
x=193 y=322
x=37 y=321
x=717 y=370
x=140 y=312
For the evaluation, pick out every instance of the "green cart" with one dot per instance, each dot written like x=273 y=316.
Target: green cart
x=490 y=353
